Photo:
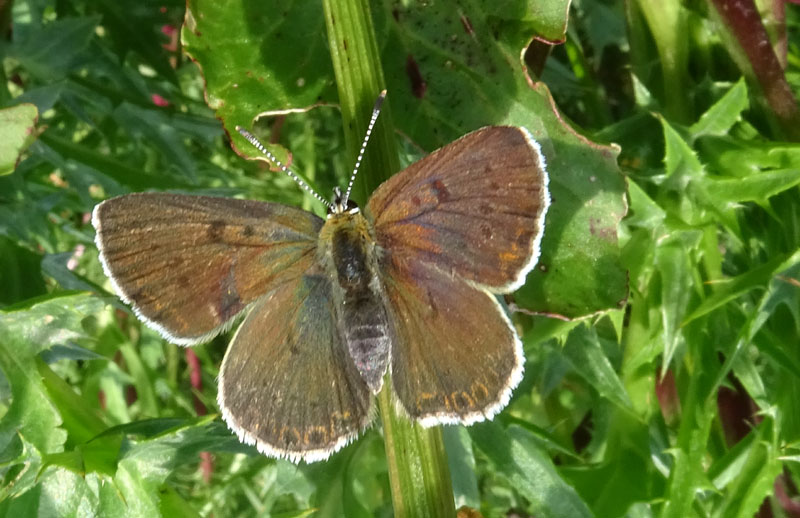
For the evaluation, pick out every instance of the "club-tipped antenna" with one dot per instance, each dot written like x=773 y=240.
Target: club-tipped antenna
x=266 y=152
x=376 y=110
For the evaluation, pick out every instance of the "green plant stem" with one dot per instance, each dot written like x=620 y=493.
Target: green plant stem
x=418 y=470
x=359 y=78
x=421 y=478
x=637 y=371
x=667 y=23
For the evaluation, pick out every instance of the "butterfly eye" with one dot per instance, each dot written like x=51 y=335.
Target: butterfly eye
x=339 y=206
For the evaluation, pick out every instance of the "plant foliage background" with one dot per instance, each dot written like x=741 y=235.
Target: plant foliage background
x=669 y=384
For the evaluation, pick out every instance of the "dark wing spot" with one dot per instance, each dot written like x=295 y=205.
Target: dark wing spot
x=248 y=231
x=441 y=192
x=317 y=436
x=523 y=238
x=485 y=209
x=215 y=230
x=136 y=296
x=486 y=231
x=434 y=309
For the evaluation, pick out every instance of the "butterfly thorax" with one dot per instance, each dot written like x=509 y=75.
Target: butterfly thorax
x=349 y=256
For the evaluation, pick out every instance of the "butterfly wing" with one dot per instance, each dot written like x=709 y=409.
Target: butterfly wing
x=287 y=383
x=455 y=227
x=189 y=264
x=456 y=358
x=475 y=207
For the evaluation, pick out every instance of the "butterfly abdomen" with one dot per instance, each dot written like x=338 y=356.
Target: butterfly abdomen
x=361 y=311
x=366 y=333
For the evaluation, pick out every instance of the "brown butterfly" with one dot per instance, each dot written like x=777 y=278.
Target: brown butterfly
x=408 y=285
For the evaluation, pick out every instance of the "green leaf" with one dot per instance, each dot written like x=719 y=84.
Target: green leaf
x=680 y=161
x=579 y=271
x=118 y=171
x=156 y=127
x=461 y=460
x=584 y=352
x=727 y=290
x=16 y=134
x=755 y=478
x=515 y=454
x=116 y=16
x=174 y=506
x=517 y=20
x=26 y=332
x=686 y=181
x=612 y=487
x=645 y=212
x=149 y=428
x=20 y=273
x=67 y=494
x=675 y=269
x=727 y=467
x=781 y=291
x=231 y=42
x=143 y=380
x=81 y=423
x=756 y=187
x=548 y=19
x=739 y=158
x=30 y=413
x=687 y=474
x=362 y=485
x=53 y=50
x=50 y=320
x=719 y=119
x=31 y=417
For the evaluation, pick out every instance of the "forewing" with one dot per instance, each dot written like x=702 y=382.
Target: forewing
x=287 y=383
x=189 y=264
x=455 y=358
x=475 y=207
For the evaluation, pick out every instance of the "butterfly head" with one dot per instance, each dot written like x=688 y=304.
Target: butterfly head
x=341 y=205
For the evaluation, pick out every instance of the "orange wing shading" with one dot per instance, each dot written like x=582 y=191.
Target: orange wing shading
x=476 y=207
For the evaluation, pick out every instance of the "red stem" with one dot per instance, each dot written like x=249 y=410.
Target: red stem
x=744 y=22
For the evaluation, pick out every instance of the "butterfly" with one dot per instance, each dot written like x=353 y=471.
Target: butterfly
x=407 y=286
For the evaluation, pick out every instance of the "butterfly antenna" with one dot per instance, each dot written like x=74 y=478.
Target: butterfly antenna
x=376 y=110
x=266 y=152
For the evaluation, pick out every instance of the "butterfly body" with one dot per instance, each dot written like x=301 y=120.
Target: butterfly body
x=407 y=286
x=350 y=256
